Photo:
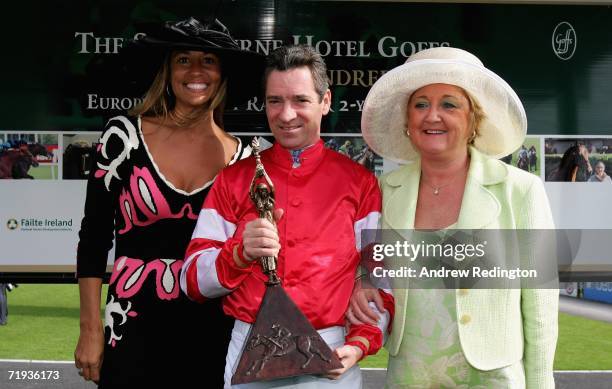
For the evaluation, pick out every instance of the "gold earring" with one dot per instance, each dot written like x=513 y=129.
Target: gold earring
x=473 y=137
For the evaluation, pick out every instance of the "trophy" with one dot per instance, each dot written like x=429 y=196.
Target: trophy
x=281 y=343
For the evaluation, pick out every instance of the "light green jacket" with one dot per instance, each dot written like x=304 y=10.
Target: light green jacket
x=503 y=326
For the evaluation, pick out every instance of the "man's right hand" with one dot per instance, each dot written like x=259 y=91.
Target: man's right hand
x=260 y=238
x=89 y=354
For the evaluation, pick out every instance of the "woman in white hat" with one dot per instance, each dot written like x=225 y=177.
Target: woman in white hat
x=451 y=118
x=151 y=173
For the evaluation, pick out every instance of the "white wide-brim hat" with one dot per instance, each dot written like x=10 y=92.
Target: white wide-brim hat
x=383 y=121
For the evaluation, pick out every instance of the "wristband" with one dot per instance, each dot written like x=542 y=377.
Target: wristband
x=361 y=342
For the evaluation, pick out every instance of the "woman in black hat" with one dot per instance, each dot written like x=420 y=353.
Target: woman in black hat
x=151 y=172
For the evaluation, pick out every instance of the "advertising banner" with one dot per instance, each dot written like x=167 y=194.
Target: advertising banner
x=598 y=291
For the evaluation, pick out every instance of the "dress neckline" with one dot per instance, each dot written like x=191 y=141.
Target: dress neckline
x=168 y=183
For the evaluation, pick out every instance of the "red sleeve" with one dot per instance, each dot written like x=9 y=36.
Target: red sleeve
x=369 y=338
x=210 y=269
x=368 y=211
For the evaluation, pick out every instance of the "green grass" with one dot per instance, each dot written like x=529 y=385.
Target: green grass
x=43 y=324
x=43 y=172
x=583 y=344
x=378 y=360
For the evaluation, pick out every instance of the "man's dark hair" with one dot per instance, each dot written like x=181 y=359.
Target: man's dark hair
x=297 y=56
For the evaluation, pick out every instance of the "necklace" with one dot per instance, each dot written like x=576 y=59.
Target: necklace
x=436 y=189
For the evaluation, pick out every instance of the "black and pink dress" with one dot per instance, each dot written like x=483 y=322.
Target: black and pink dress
x=148 y=321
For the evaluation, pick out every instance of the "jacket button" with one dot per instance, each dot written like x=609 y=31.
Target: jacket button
x=290 y=243
x=296 y=202
x=463 y=292
x=465 y=319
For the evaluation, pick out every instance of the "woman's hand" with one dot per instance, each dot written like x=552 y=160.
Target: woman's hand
x=90 y=348
x=89 y=354
x=349 y=355
x=359 y=311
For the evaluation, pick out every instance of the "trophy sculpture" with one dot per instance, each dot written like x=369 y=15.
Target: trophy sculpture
x=282 y=343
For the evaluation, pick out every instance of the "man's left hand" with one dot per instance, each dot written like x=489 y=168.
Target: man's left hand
x=349 y=355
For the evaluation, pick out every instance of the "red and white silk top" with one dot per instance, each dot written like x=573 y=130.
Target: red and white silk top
x=327 y=201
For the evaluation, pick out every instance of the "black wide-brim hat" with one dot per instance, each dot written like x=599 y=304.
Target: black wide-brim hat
x=243 y=69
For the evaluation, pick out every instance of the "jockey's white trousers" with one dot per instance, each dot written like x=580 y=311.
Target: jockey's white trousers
x=333 y=336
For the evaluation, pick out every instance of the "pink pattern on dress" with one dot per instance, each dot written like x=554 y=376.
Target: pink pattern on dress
x=126 y=205
x=131 y=273
x=144 y=195
x=148 y=197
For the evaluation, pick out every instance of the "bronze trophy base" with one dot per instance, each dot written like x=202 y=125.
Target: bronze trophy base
x=282 y=343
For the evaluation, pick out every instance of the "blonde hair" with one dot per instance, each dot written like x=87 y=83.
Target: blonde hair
x=159 y=101
x=477 y=115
